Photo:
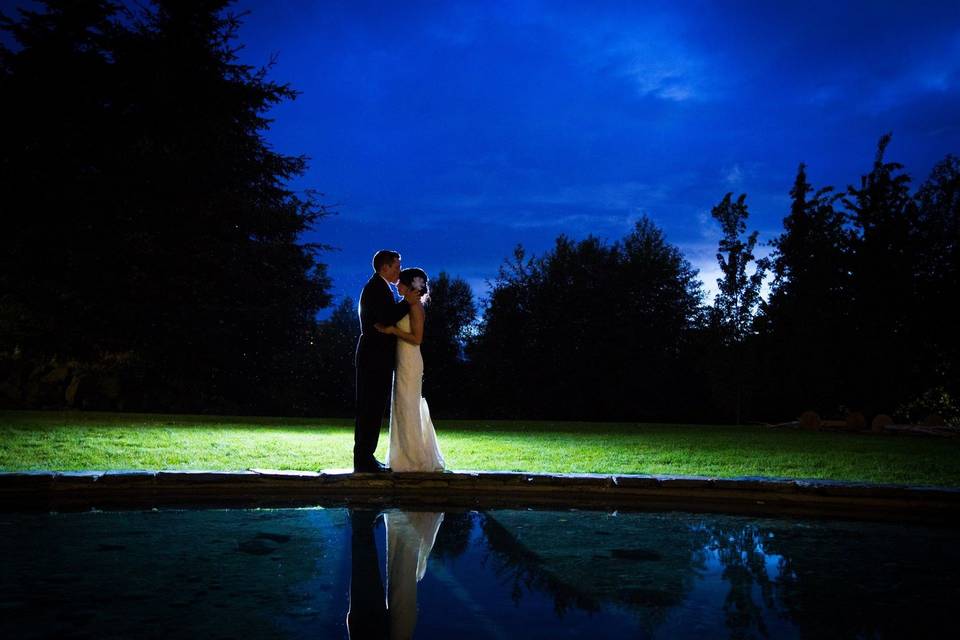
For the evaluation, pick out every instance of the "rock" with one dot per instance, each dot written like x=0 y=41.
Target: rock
x=880 y=422
x=856 y=421
x=810 y=420
x=934 y=420
x=833 y=424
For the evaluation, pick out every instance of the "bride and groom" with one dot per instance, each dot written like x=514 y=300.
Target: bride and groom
x=409 y=539
x=390 y=369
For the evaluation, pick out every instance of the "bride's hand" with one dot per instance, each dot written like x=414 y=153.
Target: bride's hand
x=384 y=329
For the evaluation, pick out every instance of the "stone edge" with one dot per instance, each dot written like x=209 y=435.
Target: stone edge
x=37 y=490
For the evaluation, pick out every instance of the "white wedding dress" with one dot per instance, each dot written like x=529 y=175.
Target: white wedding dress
x=410 y=538
x=413 y=440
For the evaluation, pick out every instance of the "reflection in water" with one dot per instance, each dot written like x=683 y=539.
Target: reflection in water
x=409 y=538
x=688 y=575
x=594 y=562
x=367 y=615
x=284 y=573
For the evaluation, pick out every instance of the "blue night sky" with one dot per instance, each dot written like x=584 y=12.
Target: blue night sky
x=452 y=131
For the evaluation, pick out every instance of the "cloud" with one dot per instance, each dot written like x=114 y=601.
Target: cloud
x=497 y=123
x=734 y=176
x=618 y=196
x=678 y=81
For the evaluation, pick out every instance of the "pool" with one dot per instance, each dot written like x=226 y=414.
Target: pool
x=338 y=572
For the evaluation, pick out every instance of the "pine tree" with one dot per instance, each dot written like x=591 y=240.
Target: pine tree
x=805 y=322
x=882 y=214
x=152 y=222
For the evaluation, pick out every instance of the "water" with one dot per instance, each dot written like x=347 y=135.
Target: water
x=291 y=573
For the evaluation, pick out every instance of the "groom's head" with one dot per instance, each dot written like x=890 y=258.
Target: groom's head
x=387 y=264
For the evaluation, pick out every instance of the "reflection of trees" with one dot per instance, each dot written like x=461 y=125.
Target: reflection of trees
x=836 y=579
x=454 y=536
x=740 y=550
x=830 y=579
x=645 y=562
x=521 y=567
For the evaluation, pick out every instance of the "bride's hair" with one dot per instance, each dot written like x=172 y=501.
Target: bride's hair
x=410 y=276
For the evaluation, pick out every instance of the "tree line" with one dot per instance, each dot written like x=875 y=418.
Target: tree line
x=152 y=262
x=863 y=283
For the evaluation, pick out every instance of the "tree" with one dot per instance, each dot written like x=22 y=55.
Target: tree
x=936 y=259
x=882 y=214
x=451 y=313
x=152 y=219
x=590 y=330
x=334 y=350
x=501 y=345
x=653 y=312
x=805 y=322
x=738 y=295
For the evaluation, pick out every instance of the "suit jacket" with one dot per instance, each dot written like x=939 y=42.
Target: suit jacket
x=377 y=305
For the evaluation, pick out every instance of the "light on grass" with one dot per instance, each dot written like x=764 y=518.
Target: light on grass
x=39 y=440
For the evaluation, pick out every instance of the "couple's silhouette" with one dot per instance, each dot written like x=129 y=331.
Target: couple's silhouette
x=391 y=613
x=390 y=371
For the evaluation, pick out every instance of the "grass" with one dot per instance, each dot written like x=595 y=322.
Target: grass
x=31 y=440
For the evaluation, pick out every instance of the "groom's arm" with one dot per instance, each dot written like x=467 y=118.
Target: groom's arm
x=391 y=314
x=379 y=306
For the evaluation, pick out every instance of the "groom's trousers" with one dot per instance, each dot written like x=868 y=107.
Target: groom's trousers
x=374 y=382
x=367 y=617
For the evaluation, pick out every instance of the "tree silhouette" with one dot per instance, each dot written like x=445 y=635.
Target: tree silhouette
x=333 y=353
x=804 y=324
x=151 y=220
x=738 y=296
x=935 y=261
x=451 y=313
x=590 y=330
x=882 y=213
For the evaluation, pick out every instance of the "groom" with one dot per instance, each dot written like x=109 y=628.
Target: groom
x=376 y=358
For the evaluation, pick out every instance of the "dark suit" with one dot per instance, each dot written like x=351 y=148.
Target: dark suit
x=376 y=358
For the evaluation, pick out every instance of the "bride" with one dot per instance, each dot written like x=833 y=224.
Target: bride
x=413 y=440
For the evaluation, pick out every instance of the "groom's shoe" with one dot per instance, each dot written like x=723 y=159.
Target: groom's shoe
x=371 y=465
x=379 y=467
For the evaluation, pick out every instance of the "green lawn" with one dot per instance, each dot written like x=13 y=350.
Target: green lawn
x=75 y=441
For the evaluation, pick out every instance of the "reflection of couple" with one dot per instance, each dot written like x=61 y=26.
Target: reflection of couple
x=389 y=350
x=410 y=537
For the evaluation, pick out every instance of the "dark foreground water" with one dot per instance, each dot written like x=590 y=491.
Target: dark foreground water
x=334 y=573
